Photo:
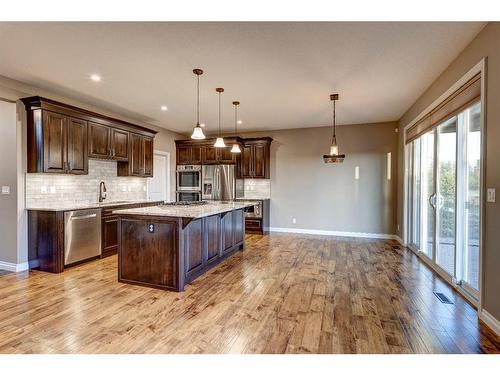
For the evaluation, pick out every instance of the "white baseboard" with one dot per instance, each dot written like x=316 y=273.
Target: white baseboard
x=397 y=238
x=14 y=267
x=490 y=321
x=335 y=233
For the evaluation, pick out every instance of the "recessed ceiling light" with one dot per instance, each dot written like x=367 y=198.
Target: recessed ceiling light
x=240 y=122
x=95 y=77
x=202 y=125
x=164 y=108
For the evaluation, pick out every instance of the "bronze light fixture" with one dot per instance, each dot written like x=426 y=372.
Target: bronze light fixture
x=236 y=147
x=219 y=142
x=198 y=131
x=334 y=156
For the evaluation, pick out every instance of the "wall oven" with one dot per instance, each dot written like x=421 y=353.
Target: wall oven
x=189 y=178
x=188 y=196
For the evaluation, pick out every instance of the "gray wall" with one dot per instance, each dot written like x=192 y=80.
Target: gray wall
x=8 y=177
x=485 y=44
x=13 y=248
x=326 y=196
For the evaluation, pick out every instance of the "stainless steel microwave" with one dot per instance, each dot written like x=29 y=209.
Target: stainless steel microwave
x=189 y=178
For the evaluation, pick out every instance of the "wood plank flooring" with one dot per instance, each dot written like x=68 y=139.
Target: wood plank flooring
x=284 y=294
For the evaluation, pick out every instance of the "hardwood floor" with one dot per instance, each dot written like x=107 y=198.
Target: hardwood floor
x=284 y=294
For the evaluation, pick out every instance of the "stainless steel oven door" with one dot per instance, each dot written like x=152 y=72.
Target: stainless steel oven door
x=189 y=177
x=188 y=196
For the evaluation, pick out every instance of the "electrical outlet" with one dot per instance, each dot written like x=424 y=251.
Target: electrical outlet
x=294 y=220
x=491 y=195
x=43 y=189
x=124 y=189
x=52 y=190
x=6 y=190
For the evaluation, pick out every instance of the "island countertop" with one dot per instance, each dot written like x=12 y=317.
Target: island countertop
x=188 y=211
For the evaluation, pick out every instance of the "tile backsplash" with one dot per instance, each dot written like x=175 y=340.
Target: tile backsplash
x=58 y=188
x=253 y=188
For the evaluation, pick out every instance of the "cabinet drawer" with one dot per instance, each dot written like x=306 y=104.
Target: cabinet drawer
x=253 y=224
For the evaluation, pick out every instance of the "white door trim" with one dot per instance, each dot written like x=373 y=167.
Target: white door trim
x=167 y=174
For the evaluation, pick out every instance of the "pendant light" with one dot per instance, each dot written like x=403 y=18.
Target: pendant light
x=334 y=156
x=219 y=142
x=236 y=147
x=198 y=131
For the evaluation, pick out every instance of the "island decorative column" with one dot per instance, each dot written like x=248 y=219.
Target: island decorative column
x=168 y=247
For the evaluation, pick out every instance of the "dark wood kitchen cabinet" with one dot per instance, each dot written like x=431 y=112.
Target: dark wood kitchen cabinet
x=210 y=155
x=56 y=143
x=255 y=158
x=61 y=138
x=140 y=161
x=188 y=155
x=108 y=143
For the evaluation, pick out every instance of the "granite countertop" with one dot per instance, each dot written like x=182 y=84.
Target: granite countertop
x=253 y=199
x=87 y=205
x=192 y=212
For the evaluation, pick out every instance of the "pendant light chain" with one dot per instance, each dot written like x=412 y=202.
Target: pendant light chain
x=334 y=119
x=236 y=119
x=219 y=114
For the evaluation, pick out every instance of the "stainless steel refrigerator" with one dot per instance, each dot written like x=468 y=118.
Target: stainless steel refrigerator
x=219 y=182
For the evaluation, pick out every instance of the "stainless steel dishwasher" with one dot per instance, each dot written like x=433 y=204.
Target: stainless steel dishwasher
x=82 y=235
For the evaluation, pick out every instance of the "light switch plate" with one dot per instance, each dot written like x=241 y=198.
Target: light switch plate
x=491 y=195
x=6 y=190
x=52 y=190
x=43 y=189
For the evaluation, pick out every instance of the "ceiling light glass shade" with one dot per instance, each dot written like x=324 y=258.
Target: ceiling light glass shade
x=334 y=150
x=219 y=142
x=198 y=133
x=236 y=149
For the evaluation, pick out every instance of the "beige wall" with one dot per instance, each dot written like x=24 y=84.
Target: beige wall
x=325 y=196
x=486 y=44
x=13 y=163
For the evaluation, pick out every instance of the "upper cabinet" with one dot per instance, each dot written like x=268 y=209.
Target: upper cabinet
x=61 y=138
x=188 y=155
x=108 y=143
x=140 y=163
x=253 y=162
x=255 y=158
x=56 y=143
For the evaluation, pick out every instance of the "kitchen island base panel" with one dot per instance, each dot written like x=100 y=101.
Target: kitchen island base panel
x=169 y=252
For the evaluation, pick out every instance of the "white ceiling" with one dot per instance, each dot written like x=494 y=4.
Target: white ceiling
x=282 y=73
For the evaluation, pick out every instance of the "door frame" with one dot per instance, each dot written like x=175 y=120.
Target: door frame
x=480 y=67
x=167 y=174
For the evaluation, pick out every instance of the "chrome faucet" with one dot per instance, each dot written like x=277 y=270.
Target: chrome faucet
x=102 y=192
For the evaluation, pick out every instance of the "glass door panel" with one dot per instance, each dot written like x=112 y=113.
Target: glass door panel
x=446 y=197
x=427 y=176
x=416 y=192
x=469 y=264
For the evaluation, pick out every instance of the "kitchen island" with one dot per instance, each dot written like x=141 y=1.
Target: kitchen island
x=168 y=246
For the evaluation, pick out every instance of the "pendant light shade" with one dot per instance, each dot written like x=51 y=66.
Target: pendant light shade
x=219 y=142
x=236 y=147
x=334 y=156
x=198 y=131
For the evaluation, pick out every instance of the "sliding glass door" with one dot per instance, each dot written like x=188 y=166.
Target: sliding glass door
x=445 y=195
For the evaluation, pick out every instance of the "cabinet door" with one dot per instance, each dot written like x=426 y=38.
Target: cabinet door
x=213 y=233
x=209 y=155
x=246 y=161
x=109 y=235
x=99 y=141
x=194 y=245
x=77 y=146
x=259 y=160
x=147 y=149
x=195 y=155
x=54 y=142
x=136 y=155
x=225 y=156
x=227 y=231
x=183 y=155
x=119 y=144
x=239 y=226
